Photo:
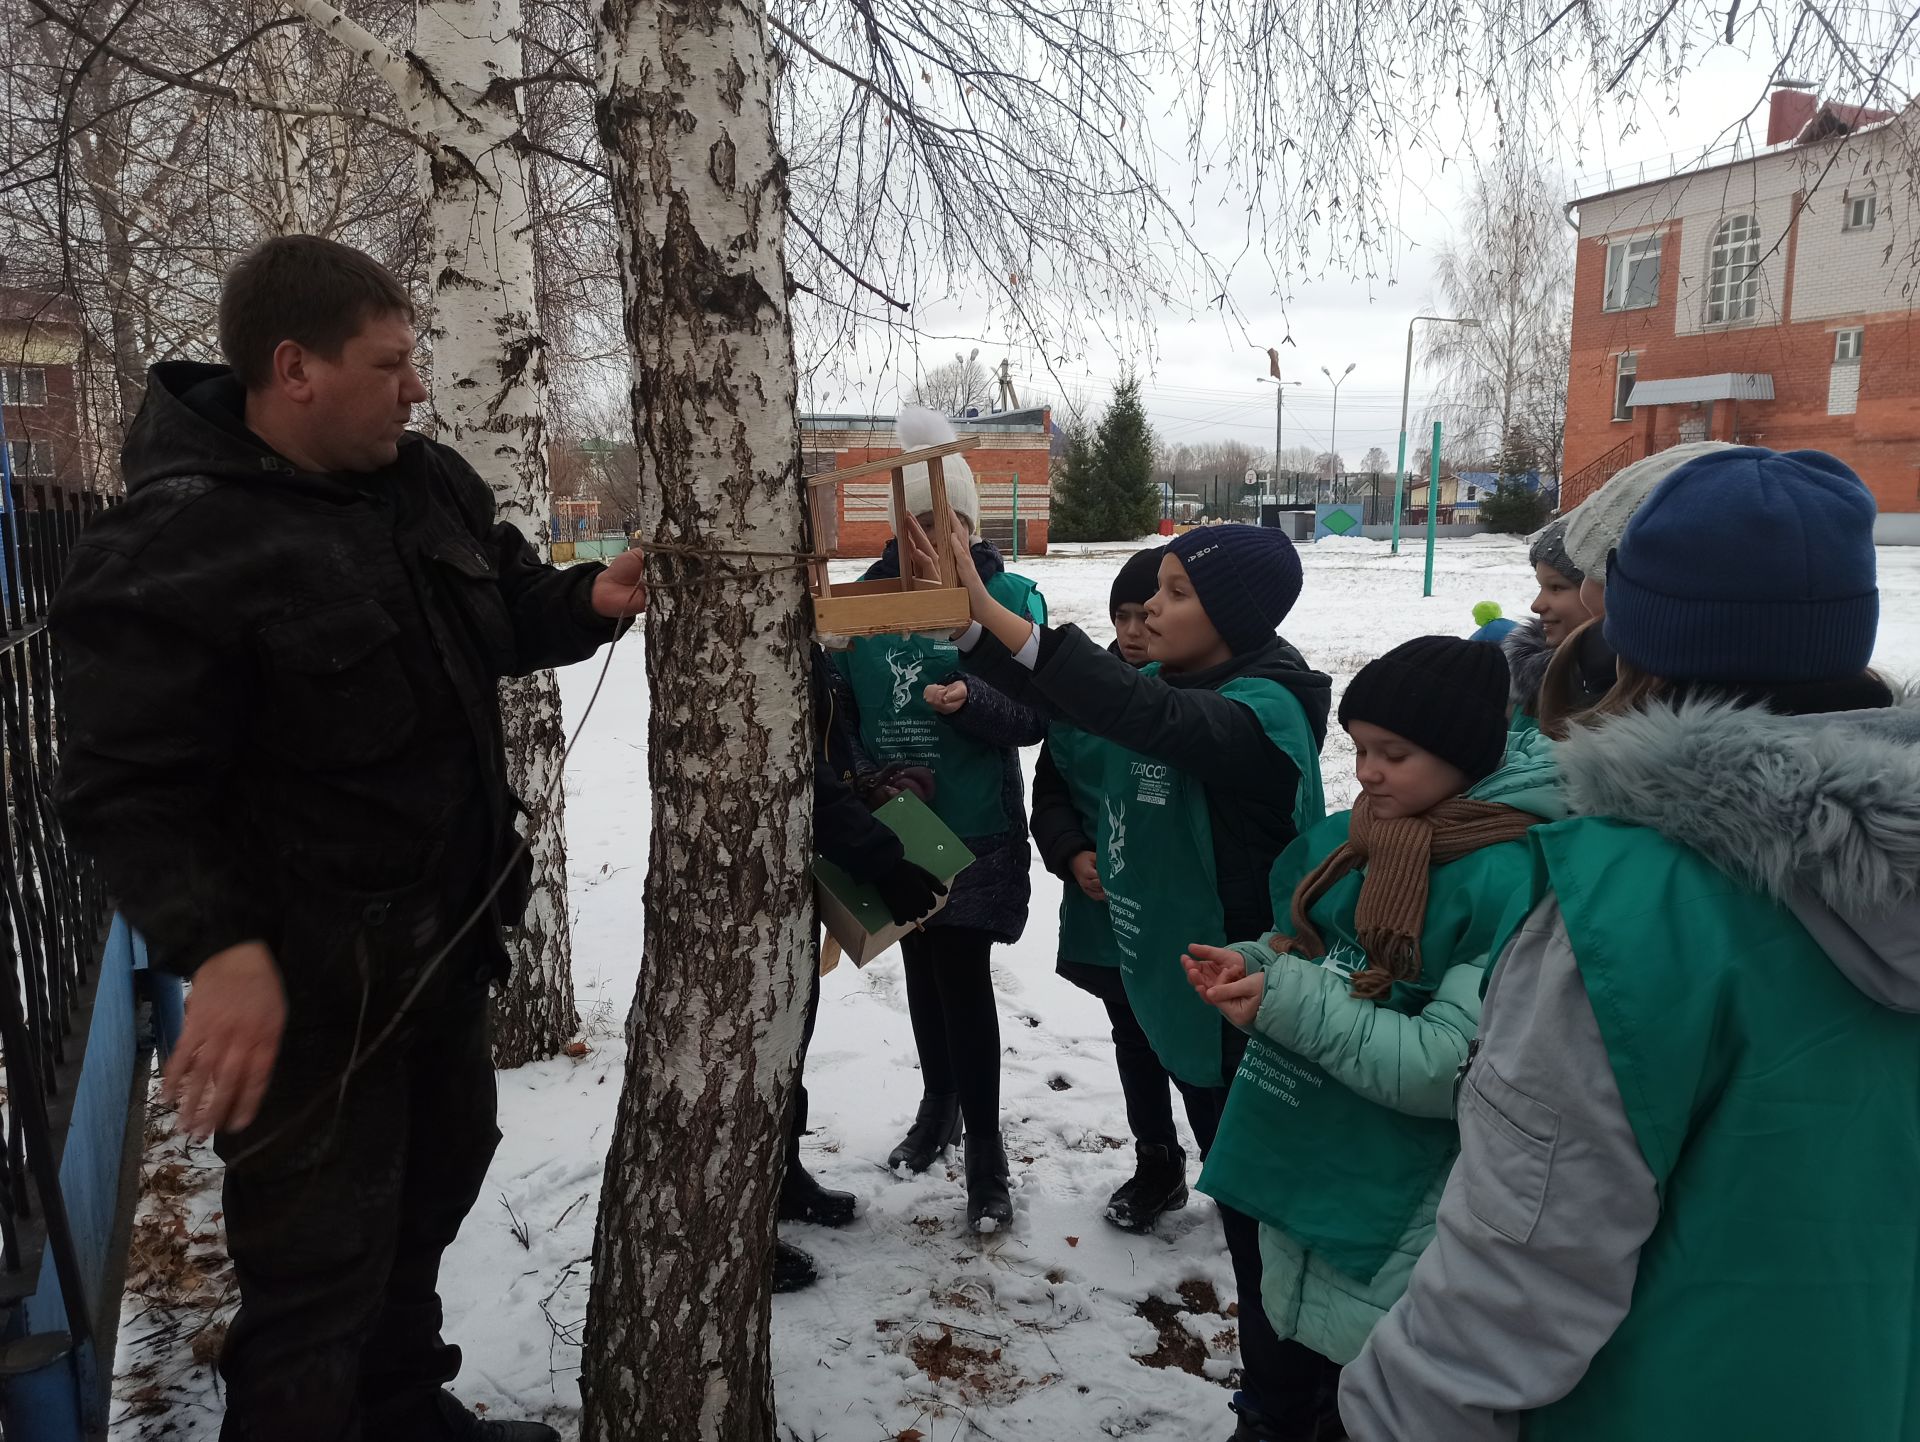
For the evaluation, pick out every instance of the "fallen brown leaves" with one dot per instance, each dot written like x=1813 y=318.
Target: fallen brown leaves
x=1178 y=1347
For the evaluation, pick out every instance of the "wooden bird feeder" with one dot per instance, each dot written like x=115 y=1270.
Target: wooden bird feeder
x=895 y=606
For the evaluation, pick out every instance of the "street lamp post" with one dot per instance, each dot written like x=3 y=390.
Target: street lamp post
x=1279 y=399
x=1333 y=426
x=1406 y=391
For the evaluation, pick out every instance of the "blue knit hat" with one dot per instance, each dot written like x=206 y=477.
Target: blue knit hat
x=1748 y=565
x=1246 y=577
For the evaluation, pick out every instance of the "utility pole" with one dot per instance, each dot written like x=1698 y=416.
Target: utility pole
x=1333 y=428
x=1279 y=401
x=1008 y=400
x=1406 y=390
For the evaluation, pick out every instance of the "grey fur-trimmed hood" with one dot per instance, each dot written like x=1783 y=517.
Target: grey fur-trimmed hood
x=1820 y=812
x=1528 y=651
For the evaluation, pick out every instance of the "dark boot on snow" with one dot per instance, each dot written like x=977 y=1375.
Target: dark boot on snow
x=793 y=1269
x=989 y=1188
x=802 y=1199
x=457 y=1424
x=1325 y=1427
x=936 y=1126
x=1158 y=1186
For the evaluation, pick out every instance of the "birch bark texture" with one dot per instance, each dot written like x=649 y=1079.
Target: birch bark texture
x=459 y=89
x=286 y=141
x=677 y=1346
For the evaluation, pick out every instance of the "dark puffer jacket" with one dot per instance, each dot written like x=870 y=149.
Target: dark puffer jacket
x=845 y=830
x=1182 y=719
x=280 y=701
x=992 y=894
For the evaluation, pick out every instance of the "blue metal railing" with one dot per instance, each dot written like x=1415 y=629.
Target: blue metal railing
x=75 y=1067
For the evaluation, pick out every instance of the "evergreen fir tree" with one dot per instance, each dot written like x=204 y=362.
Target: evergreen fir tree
x=1123 y=462
x=1076 y=499
x=1514 y=508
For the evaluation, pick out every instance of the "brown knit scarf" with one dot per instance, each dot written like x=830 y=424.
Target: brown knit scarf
x=1398 y=856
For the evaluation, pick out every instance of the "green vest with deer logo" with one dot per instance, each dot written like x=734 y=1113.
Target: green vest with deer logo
x=890 y=675
x=1157 y=866
x=1778 y=1298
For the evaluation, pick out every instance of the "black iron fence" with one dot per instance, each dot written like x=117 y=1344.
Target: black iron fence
x=53 y=923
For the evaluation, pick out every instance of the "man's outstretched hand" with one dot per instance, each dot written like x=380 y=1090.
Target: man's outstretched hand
x=236 y=1012
x=620 y=589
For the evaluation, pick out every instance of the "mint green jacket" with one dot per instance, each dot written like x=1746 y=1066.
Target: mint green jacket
x=1408 y=1062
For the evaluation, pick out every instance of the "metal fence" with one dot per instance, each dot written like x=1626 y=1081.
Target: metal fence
x=1234 y=498
x=54 y=918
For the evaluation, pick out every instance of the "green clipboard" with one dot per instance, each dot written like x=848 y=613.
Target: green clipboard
x=853 y=912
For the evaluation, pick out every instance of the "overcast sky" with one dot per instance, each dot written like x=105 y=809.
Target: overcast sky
x=1202 y=383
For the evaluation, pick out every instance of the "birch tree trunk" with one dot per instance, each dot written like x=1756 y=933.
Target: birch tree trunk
x=286 y=140
x=677 y=1322
x=459 y=89
x=490 y=384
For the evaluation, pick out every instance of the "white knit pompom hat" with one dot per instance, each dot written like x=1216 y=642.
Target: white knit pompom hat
x=1595 y=526
x=915 y=429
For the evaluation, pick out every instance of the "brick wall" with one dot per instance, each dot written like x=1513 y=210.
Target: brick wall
x=1821 y=279
x=56 y=424
x=862 y=526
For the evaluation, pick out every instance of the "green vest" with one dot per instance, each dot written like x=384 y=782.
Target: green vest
x=890 y=674
x=1778 y=1299
x=1156 y=865
x=1339 y=1173
x=1085 y=936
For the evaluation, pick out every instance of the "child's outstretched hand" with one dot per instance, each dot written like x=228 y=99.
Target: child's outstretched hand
x=963 y=559
x=946 y=699
x=917 y=553
x=923 y=559
x=1220 y=976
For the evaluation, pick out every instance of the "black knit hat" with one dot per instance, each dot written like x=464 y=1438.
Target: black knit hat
x=1138 y=580
x=1442 y=693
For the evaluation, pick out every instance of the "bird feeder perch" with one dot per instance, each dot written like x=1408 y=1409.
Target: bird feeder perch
x=894 y=606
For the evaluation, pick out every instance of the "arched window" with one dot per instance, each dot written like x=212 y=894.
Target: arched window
x=1733 y=279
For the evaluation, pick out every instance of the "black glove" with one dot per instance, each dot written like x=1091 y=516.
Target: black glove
x=909 y=891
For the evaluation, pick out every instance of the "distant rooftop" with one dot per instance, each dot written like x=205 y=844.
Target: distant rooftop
x=1796 y=118
x=18 y=304
x=1034 y=418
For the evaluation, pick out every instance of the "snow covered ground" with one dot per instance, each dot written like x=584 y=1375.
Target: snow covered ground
x=1060 y=1329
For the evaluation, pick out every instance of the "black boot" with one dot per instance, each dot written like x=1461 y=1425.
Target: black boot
x=989 y=1189
x=456 y=1423
x=802 y=1199
x=1325 y=1427
x=793 y=1269
x=936 y=1126
x=1158 y=1185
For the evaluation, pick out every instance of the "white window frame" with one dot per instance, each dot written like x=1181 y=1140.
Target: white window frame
x=1848 y=345
x=1731 y=299
x=39 y=459
x=18 y=385
x=1626 y=367
x=1623 y=256
x=1860 y=211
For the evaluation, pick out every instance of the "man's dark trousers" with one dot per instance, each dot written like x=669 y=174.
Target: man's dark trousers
x=337 y=1215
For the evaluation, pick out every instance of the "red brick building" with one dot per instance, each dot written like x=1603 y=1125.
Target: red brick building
x=1763 y=301
x=1012 y=468
x=39 y=398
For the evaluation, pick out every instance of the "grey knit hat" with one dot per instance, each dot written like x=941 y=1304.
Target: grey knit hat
x=1549 y=549
x=1596 y=525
